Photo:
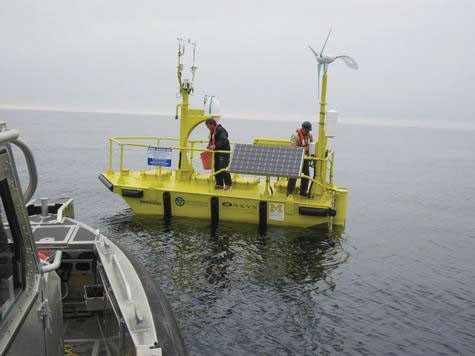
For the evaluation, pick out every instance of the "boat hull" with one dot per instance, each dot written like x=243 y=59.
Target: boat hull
x=249 y=201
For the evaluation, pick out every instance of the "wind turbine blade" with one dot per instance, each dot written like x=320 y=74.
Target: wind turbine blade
x=314 y=52
x=350 y=62
x=325 y=43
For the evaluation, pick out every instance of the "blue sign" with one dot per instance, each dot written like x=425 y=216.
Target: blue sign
x=159 y=156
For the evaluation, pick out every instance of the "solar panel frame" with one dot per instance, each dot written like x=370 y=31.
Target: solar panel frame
x=275 y=161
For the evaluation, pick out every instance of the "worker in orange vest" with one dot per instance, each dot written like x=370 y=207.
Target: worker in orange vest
x=301 y=138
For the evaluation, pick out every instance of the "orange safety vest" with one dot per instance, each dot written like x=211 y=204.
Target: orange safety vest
x=212 y=137
x=304 y=141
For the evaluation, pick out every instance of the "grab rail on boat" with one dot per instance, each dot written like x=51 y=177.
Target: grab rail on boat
x=8 y=135
x=31 y=166
x=56 y=263
x=11 y=135
x=128 y=291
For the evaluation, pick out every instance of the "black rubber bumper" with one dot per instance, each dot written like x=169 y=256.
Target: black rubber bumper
x=304 y=210
x=106 y=182
x=133 y=193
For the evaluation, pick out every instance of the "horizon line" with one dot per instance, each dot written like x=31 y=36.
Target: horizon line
x=386 y=122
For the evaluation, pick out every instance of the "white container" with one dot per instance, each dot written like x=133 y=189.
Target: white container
x=212 y=106
x=313 y=147
x=331 y=123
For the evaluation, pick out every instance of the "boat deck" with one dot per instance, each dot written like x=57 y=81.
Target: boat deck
x=81 y=336
x=83 y=330
x=105 y=309
x=47 y=231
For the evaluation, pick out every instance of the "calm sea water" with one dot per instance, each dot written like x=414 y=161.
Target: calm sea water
x=400 y=279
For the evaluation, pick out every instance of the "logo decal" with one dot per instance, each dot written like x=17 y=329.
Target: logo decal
x=276 y=211
x=239 y=206
x=179 y=201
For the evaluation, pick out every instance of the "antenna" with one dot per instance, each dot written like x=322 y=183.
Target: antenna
x=193 y=43
x=193 y=67
x=325 y=60
x=181 y=46
x=181 y=52
x=186 y=84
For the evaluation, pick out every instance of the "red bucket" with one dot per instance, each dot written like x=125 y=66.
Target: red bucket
x=206 y=159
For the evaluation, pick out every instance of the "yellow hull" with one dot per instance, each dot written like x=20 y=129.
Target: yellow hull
x=155 y=192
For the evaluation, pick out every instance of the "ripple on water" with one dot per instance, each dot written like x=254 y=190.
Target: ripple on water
x=236 y=291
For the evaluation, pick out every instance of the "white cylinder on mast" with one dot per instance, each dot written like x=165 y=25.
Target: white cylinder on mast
x=331 y=123
x=212 y=106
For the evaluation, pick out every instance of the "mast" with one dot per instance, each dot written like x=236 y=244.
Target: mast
x=321 y=165
x=324 y=61
x=189 y=117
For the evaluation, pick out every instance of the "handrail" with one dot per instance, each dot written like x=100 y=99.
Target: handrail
x=207 y=141
x=128 y=291
x=309 y=158
x=170 y=147
x=55 y=265
x=312 y=179
x=226 y=169
x=192 y=149
x=12 y=135
x=32 y=172
x=329 y=158
x=332 y=167
x=8 y=135
x=145 y=138
x=117 y=138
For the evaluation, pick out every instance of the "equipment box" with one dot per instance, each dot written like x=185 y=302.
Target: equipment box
x=94 y=297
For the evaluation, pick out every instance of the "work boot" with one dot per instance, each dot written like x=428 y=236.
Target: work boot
x=217 y=186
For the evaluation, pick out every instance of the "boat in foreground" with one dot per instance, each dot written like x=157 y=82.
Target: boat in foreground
x=66 y=289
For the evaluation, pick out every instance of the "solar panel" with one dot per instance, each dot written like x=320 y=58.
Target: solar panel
x=267 y=160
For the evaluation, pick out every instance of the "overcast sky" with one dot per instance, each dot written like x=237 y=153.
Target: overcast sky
x=416 y=57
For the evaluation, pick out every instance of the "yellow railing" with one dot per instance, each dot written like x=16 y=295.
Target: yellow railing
x=156 y=142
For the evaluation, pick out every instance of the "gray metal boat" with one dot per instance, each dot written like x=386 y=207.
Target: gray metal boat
x=66 y=289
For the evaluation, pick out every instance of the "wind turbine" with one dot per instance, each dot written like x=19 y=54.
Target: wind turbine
x=325 y=59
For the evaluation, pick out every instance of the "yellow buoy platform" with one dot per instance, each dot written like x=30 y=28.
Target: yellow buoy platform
x=185 y=190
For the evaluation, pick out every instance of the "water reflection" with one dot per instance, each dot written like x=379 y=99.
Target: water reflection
x=214 y=273
x=201 y=256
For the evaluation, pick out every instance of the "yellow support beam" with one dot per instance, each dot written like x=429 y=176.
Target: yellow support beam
x=322 y=142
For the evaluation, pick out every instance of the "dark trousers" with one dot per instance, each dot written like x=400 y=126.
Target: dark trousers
x=221 y=160
x=303 y=181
